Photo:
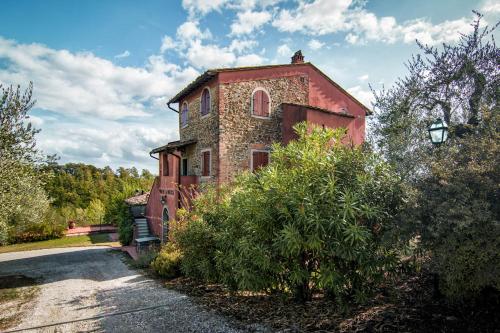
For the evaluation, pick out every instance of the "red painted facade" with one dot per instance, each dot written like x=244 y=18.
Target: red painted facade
x=327 y=104
x=293 y=114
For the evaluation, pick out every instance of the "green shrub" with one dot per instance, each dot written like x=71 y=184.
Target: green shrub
x=125 y=223
x=168 y=262
x=460 y=213
x=197 y=243
x=317 y=218
x=52 y=226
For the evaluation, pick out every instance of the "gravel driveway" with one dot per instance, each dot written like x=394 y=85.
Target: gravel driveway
x=91 y=289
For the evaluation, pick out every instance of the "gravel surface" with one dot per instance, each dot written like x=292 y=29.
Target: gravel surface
x=92 y=289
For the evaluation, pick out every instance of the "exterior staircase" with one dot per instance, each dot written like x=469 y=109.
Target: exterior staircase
x=142 y=228
x=144 y=238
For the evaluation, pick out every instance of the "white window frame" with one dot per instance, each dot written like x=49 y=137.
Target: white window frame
x=251 y=103
x=187 y=115
x=209 y=105
x=209 y=163
x=268 y=151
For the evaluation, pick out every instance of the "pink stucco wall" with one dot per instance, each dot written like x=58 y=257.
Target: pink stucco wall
x=293 y=114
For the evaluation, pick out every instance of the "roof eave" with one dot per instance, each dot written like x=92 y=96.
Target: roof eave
x=203 y=78
x=171 y=146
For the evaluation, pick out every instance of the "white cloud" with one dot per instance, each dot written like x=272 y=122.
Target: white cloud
x=84 y=84
x=364 y=77
x=124 y=54
x=315 y=44
x=209 y=56
x=189 y=30
x=317 y=18
x=490 y=7
x=250 y=60
x=352 y=38
x=190 y=44
x=239 y=46
x=322 y=17
x=202 y=7
x=284 y=50
x=167 y=43
x=107 y=143
x=426 y=32
x=248 y=21
x=363 y=95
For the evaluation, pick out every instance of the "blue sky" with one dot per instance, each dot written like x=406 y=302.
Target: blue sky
x=103 y=69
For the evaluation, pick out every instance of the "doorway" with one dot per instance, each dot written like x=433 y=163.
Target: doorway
x=165 y=221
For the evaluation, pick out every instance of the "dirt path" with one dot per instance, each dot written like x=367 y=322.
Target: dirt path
x=91 y=289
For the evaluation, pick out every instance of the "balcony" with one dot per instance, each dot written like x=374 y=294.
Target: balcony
x=188 y=181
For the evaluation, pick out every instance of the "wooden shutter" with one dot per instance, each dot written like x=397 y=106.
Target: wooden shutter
x=260 y=159
x=206 y=164
x=184 y=114
x=205 y=102
x=260 y=104
x=165 y=164
x=265 y=105
x=257 y=103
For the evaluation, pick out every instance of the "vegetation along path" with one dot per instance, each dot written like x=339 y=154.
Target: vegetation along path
x=92 y=289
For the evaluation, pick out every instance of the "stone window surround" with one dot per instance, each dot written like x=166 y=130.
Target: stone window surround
x=187 y=114
x=263 y=150
x=251 y=102
x=209 y=163
x=209 y=104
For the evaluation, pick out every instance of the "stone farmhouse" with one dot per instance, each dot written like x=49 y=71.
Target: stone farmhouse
x=228 y=119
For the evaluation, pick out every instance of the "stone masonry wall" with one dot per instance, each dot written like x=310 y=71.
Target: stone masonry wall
x=203 y=129
x=240 y=132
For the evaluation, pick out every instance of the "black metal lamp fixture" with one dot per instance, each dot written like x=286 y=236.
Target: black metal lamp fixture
x=162 y=200
x=438 y=132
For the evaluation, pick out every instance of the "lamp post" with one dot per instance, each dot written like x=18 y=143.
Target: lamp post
x=438 y=132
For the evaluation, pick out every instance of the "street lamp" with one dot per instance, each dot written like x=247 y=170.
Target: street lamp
x=438 y=132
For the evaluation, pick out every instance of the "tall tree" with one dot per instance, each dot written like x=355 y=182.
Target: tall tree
x=453 y=82
x=455 y=194
x=22 y=197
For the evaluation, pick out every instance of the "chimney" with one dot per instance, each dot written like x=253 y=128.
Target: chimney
x=298 y=58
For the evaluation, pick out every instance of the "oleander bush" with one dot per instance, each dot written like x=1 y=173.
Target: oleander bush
x=319 y=217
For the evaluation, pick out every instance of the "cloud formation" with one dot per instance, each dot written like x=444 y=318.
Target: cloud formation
x=248 y=21
x=84 y=84
x=124 y=54
x=322 y=17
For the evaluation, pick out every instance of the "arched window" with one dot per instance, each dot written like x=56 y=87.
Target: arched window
x=260 y=103
x=184 y=114
x=205 y=102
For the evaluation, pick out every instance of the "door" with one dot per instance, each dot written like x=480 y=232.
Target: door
x=165 y=225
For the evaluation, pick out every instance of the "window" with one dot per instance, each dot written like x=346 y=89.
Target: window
x=184 y=115
x=259 y=159
x=184 y=167
x=205 y=102
x=260 y=103
x=205 y=163
x=165 y=164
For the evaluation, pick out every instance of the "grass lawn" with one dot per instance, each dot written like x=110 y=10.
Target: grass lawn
x=85 y=240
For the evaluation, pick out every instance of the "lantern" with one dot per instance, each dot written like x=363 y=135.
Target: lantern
x=438 y=132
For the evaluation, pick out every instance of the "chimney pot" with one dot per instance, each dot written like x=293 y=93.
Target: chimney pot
x=298 y=58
